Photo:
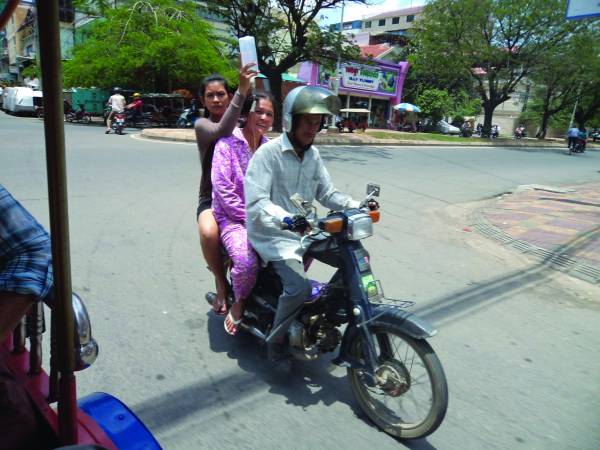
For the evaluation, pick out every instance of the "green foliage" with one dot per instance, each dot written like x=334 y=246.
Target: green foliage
x=93 y=7
x=465 y=104
x=568 y=75
x=156 y=45
x=286 y=34
x=493 y=43
x=31 y=71
x=435 y=103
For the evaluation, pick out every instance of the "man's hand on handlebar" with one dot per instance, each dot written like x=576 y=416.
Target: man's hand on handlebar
x=296 y=223
x=373 y=205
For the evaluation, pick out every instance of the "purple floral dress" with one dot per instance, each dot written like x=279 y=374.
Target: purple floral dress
x=230 y=161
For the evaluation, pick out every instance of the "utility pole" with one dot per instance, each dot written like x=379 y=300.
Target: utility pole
x=576 y=103
x=336 y=86
x=336 y=80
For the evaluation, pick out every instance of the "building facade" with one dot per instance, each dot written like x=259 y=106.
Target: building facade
x=19 y=39
x=390 y=27
x=374 y=87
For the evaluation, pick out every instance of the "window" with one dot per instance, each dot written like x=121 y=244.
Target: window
x=395 y=20
x=381 y=22
x=410 y=18
x=368 y=24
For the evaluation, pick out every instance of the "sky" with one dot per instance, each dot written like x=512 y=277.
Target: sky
x=354 y=11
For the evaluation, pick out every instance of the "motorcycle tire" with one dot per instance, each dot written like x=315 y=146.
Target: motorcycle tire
x=86 y=119
x=395 y=377
x=181 y=123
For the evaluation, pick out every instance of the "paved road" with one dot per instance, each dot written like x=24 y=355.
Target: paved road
x=518 y=341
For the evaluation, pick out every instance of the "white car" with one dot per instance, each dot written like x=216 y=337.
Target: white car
x=445 y=128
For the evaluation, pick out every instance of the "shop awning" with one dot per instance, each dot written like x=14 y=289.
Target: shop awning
x=285 y=77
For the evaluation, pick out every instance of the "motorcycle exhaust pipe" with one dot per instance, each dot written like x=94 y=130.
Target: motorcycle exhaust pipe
x=253 y=330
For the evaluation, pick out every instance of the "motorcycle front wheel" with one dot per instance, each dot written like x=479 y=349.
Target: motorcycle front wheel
x=410 y=398
x=86 y=119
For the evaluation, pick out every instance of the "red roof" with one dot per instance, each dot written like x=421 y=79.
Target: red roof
x=374 y=51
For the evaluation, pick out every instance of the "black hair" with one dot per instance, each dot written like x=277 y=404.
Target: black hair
x=215 y=77
x=250 y=102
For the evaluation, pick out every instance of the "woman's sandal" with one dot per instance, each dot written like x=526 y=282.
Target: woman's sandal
x=231 y=326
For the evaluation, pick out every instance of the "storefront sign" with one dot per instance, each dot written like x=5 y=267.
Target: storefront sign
x=369 y=78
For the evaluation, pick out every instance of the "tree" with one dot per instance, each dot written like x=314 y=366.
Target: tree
x=497 y=43
x=435 y=103
x=286 y=34
x=568 y=76
x=153 y=45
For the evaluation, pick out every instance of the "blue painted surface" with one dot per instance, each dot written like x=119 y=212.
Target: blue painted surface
x=118 y=422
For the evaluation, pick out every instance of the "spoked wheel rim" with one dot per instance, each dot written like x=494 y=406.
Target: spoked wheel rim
x=410 y=397
x=404 y=394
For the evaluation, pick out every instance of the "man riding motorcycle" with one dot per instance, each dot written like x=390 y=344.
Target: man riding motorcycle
x=117 y=105
x=135 y=107
x=285 y=166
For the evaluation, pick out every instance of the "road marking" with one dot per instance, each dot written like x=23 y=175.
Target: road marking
x=139 y=137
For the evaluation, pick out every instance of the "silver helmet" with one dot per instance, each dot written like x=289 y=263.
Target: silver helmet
x=309 y=100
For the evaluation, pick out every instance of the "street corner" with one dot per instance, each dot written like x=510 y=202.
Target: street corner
x=558 y=224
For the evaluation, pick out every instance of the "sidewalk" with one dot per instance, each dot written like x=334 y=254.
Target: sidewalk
x=559 y=225
x=402 y=139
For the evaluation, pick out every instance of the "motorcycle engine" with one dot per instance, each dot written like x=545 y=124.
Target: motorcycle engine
x=308 y=341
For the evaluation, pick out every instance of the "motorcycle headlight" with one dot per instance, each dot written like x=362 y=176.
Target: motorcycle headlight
x=360 y=226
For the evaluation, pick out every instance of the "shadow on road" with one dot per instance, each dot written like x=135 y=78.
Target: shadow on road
x=566 y=200
x=311 y=383
x=465 y=302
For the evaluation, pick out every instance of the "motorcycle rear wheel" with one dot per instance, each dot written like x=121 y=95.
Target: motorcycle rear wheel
x=410 y=377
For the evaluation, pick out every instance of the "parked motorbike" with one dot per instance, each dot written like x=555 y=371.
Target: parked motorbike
x=394 y=373
x=78 y=116
x=187 y=118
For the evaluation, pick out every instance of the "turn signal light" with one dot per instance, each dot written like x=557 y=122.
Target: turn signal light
x=374 y=216
x=335 y=225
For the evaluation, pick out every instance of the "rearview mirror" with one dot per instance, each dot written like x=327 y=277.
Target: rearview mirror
x=373 y=190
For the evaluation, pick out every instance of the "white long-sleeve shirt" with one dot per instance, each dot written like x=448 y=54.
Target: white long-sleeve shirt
x=274 y=174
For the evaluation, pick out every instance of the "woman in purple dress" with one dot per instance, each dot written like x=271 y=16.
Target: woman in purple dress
x=230 y=161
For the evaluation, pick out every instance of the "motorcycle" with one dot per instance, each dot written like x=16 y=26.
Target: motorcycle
x=578 y=146
x=118 y=122
x=187 y=118
x=79 y=116
x=519 y=133
x=383 y=347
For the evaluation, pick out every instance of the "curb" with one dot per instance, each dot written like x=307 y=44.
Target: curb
x=557 y=148
x=557 y=261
